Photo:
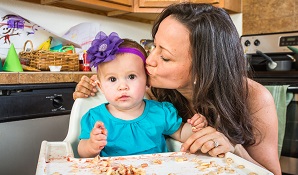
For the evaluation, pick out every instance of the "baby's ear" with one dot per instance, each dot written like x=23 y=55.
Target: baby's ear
x=100 y=90
x=98 y=86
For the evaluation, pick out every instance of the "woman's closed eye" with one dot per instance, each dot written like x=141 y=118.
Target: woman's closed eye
x=164 y=59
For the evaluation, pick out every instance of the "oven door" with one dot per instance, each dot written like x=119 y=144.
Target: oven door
x=289 y=154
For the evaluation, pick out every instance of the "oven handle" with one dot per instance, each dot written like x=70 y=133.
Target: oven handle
x=294 y=89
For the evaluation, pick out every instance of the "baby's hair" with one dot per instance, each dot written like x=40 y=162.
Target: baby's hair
x=133 y=44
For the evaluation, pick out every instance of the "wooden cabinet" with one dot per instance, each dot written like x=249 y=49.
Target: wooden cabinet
x=144 y=11
x=156 y=6
x=155 y=3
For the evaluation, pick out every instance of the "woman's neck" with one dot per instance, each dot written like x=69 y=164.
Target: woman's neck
x=187 y=93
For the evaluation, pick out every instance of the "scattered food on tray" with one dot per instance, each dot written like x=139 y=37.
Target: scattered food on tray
x=107 y=166
x=54 y=161
x=137 y=165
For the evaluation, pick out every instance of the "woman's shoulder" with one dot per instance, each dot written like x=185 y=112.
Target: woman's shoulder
x=258 y=96
x=258 y=91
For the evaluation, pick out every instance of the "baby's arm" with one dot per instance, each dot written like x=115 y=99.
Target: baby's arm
x=196 y=123
x=97 y=141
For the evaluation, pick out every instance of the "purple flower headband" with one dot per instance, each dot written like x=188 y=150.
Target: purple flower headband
x=104 y=48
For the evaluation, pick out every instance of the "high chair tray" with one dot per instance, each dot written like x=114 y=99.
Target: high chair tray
x=57 y=158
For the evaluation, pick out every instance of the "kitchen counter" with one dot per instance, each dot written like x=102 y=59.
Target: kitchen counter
x=41 y=77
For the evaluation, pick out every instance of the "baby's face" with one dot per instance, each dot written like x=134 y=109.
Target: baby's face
x=123 y=80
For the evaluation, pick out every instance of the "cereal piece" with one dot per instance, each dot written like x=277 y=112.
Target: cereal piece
x=213 y=164
x=229 y=161
x=193 y=128
x=205 y=164
x=241 y=166
x=95 y=159
x=144 y=165
x=231 y=171
x=56 y=173
x=180 y=159
x=201 y=168
x=157 y=161
x=220 y=170
x=252 y=173
x=212 y=173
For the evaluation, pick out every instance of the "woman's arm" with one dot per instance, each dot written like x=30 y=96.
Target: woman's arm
x=264 y=118
x=264 y=115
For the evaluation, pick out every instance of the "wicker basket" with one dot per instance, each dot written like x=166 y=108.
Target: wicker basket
x=42 y=59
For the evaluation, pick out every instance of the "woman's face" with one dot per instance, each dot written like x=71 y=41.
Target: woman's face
x=168 y=65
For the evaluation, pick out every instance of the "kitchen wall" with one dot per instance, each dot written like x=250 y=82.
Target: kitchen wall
x=60 y=20
x=267 y=16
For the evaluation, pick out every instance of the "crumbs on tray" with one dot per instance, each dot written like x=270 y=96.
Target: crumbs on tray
x=138 y=165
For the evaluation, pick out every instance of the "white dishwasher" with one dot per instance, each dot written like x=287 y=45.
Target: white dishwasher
x=29 y=114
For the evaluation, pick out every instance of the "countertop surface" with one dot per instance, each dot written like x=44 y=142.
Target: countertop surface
x=41 y=77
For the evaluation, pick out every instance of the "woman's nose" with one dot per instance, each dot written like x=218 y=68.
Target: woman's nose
x=151 y=59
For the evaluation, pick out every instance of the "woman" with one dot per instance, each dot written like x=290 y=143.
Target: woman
x=198 y=64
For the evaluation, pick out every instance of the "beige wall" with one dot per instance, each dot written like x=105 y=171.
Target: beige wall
x=267 y=16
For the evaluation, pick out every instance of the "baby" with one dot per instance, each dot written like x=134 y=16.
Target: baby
x=128 y=124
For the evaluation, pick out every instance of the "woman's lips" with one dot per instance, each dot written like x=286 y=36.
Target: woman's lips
x=147 y=72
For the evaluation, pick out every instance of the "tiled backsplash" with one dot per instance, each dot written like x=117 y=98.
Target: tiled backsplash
x=268 y=16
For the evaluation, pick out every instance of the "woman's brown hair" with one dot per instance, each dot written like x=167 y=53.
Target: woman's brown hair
x=218 y=68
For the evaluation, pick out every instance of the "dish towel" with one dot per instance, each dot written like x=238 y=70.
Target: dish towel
x=281 y=99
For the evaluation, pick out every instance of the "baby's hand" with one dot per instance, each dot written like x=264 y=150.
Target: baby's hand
x=98 y=136
x=197 y=122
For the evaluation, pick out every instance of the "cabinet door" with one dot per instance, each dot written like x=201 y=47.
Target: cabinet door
x=205 y=1
x=122 y=2
x=157 y=3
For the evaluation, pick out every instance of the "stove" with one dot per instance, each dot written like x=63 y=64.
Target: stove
x=280 y=50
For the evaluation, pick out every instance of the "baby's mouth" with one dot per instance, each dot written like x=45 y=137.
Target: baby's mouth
x=123 y=97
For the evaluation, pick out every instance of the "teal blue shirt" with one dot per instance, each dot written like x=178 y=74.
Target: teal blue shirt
x=143 y=135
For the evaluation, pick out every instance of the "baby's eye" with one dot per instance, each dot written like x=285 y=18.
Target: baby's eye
x=132 y=76
x=112 y=79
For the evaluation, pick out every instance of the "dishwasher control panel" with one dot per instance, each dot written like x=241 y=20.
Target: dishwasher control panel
x=20 y=102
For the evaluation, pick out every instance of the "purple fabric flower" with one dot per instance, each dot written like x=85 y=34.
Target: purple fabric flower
x=103 y=48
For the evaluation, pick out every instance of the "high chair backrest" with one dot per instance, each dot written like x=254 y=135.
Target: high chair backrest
x=79 y=108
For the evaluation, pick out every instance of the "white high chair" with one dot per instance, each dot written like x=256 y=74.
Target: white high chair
x=79 y=108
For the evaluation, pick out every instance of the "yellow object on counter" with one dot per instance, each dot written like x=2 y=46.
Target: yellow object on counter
x=28 y=68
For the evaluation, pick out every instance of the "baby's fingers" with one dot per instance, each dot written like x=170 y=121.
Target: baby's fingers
x=99 y=128
x=99 y=125
x=193 y=119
